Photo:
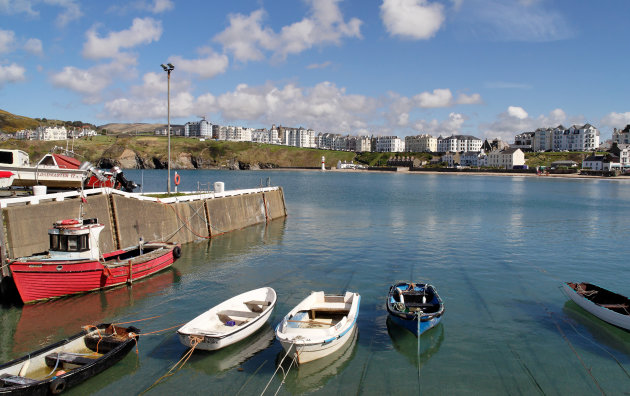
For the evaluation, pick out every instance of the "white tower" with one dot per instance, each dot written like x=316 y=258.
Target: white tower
x=323 y=163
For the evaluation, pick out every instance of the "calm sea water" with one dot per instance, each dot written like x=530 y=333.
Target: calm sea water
x=496 y=248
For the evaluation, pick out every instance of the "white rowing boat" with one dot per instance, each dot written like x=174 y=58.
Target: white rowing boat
x=319 y=325
x=229 y=322
x=608 y=306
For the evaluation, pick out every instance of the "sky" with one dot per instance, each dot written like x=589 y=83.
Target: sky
x=487 y=68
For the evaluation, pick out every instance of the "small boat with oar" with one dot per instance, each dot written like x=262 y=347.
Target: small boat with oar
x=415 y=306
x=230 y=321
x=74 y=263
x=606 y=305
x=59 y=366
x=319 y=325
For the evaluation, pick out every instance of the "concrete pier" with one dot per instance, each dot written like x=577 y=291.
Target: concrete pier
x=128 y=217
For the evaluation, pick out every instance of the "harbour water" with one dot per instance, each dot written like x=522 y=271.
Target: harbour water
x=496 y=248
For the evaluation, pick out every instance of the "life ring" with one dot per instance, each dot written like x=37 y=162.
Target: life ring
x=177 y=179
x=57 y=386
x=177 y=252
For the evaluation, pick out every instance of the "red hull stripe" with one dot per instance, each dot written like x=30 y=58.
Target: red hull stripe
x=41 y=283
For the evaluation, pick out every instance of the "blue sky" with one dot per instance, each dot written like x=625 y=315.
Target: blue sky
x=488 y=68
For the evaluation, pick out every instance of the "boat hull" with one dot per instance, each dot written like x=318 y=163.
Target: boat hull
x=412 y=324
x=50 y=177
x=307 y=352
x=43 y=280
x=60 y=382
x=213 y=343
x=605 y=314
x=417 y=315
x=305 y=337
x=218 y=335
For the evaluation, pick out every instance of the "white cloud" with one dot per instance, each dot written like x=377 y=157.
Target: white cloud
x=160 y=6
x=517 y=112
x=247 y=39
x=510 y=20
x=516 y=120
x=412 y=19
x=12 y=7
x=142 y=31
x=616 y=120
x=437 y=98
x=208 y=67
x=11 y=73
x=322 y=65
x=450 y=126
x=7 y=41
x=71 y=11
x=91 y=82
x=469 y=99
x=34 y=46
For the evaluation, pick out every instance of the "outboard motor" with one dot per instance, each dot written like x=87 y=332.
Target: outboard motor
x=125 y=185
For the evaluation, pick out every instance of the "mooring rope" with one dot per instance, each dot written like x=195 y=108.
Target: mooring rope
x=283 y=372
x=194 y=341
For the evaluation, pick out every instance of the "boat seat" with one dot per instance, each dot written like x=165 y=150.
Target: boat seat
x=68 y=358
x=257 y=306
x=613 y=306
x=241 y=314
x=419 y=305
x=231 y=315
x=12 y=380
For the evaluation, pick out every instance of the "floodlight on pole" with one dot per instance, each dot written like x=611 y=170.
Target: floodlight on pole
x=168 y=69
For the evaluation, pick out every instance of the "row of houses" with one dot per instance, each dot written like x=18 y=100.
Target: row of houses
x=575 y=138
x=53 y=133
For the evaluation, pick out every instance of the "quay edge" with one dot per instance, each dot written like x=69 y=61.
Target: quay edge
x=129 y=216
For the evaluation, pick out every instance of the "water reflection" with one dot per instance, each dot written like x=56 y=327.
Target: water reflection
x=214 y=362
x=314 y=375
x=597 y=333
x=43 y=323
x=407 y=344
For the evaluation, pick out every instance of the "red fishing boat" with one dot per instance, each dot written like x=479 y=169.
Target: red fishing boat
x=74 y=263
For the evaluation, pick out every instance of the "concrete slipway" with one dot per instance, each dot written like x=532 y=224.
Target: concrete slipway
x=129 y=216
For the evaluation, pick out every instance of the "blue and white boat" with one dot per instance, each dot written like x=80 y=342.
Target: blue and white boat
x=415 y=306
x=319 y=325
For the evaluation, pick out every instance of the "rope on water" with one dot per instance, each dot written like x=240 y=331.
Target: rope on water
x=418 y=319
x=250 y=378
x=194 y=341
x=588 y=370
x=139 y=320
x=284 y=377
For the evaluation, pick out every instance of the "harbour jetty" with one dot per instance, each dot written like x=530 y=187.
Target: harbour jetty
x=128 y=217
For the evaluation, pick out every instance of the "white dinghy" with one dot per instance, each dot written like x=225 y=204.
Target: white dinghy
x=319 y=325
x=231 y=321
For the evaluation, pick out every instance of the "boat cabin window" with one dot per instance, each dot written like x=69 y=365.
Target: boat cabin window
x=6 y=157
x=69 y=243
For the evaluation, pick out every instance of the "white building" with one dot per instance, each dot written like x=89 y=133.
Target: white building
x=421 y=143
x=458 y=143
x=234 y=133
x=52 y=133
x=575 y=138
x=297 y=137
x=198 y=129
x=470 y=158
x=363 y=144
x=621 y=136
x=389 y=144
x=265 y=136
x=506 y=159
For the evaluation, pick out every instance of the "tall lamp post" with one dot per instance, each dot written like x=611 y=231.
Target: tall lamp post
x=168 y=68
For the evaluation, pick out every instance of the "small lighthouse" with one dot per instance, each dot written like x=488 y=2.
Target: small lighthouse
x=323 y=163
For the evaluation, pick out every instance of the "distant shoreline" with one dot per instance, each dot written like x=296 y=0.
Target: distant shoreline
x=551 y=175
